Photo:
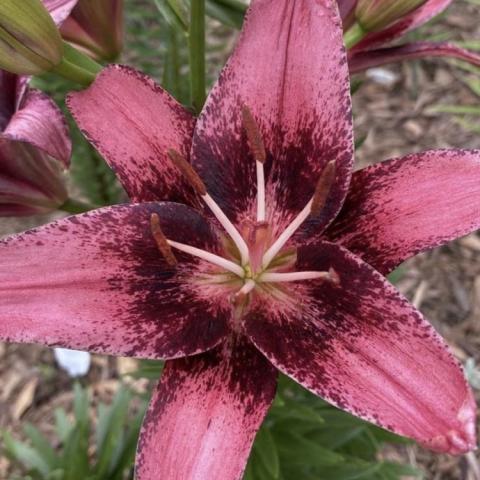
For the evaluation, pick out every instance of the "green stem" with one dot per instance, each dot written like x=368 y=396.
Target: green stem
x=76 y=206
x=237 y=5
x=196 y=42
x=354 y=35
x=73 y=72
x=76 y=66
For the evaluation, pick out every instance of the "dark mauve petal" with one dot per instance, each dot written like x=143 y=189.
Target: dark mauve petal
x=205 y=413
x=39 y=122
x=60 y=9
x=289 y=68
x=31 y=182
x=415 y=19
x=8 y=93
x=374 y=58
x=363 y=347
x=347 y=12
x=133 y=123
x=401 y=207
x=97 y=282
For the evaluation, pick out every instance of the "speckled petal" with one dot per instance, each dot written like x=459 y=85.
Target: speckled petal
x=293 y=77
x=363 y=347
x=39 y=122
x=133 y=123
x=404 y=206
x=59 y=9
x=374 y=58
x=418 y=17
x=204 y=415
x=97 y=282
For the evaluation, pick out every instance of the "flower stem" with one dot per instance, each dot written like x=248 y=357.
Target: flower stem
x=76 y=206
x=196 y=40
x=354 y=35
x=76 y=66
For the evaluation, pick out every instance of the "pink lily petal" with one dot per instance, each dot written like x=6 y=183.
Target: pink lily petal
x=404 y=206
x=302 y=108
x=373 y=58
x=133 y=123
x=418 y=17
x=31 y=183
x=97 y=282
x=347 y=11
x=363 y=347
x=59 y=9
x=96 y=27
x=204 y=415
x=40 y=123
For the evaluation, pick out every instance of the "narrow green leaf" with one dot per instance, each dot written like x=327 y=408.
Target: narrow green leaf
x=267 y=451
x=42 y=446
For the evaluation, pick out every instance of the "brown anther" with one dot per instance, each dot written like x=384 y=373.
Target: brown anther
x=192 y=176
x=323 y=187
x=161 y=240
x=254 y=135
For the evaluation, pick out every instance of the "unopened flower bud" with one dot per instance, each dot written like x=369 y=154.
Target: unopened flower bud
x=30 y=43
x=96 y=28
x=375 y=15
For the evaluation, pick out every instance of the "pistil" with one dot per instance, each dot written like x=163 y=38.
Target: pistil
x=197 y=183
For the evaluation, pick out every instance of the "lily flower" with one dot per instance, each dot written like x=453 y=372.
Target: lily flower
x=372 y=25
x=93 y=26
x=245 y=252
x=35 y=149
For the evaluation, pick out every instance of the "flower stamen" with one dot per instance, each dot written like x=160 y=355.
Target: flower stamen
x=273 y=277
x=257 y=147
x=209 y=257
x=313 y=207
x=161 y=240
x=197 y=183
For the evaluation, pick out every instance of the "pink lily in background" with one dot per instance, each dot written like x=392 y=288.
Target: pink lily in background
x=35 y=149
x=373 y=46
x=246 y=252
x=93 y=26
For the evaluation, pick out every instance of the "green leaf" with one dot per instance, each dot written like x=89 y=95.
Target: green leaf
x=63 y=424
x=173 y=14
x=24 y=454
x=224 y=14
x=42 y=446
x=267 y=452
x=299 y=451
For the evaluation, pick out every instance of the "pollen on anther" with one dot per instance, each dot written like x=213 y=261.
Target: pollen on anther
x=323 y=188
x=187 y=170
x=161 y=240
x=254 y=135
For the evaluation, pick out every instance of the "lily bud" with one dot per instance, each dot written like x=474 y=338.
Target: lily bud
x=375 y=15
x=96 y=28
x=30 y=43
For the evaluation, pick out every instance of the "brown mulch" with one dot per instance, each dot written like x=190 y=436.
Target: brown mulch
x=444 y=284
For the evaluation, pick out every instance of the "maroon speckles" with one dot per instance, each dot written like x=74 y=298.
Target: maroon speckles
x=352 y=344
x=401 y=207
x=136 y=146
x=218 y=401
x=303 y=116
x=107 y=288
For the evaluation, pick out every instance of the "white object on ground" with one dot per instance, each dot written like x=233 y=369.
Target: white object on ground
x=74 y=362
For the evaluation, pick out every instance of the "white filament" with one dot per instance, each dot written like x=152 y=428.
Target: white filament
x=247 y=288
x=209 y=257
x=291 y=276
x=260 y=192
x=229 y=228
x=270 y=254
